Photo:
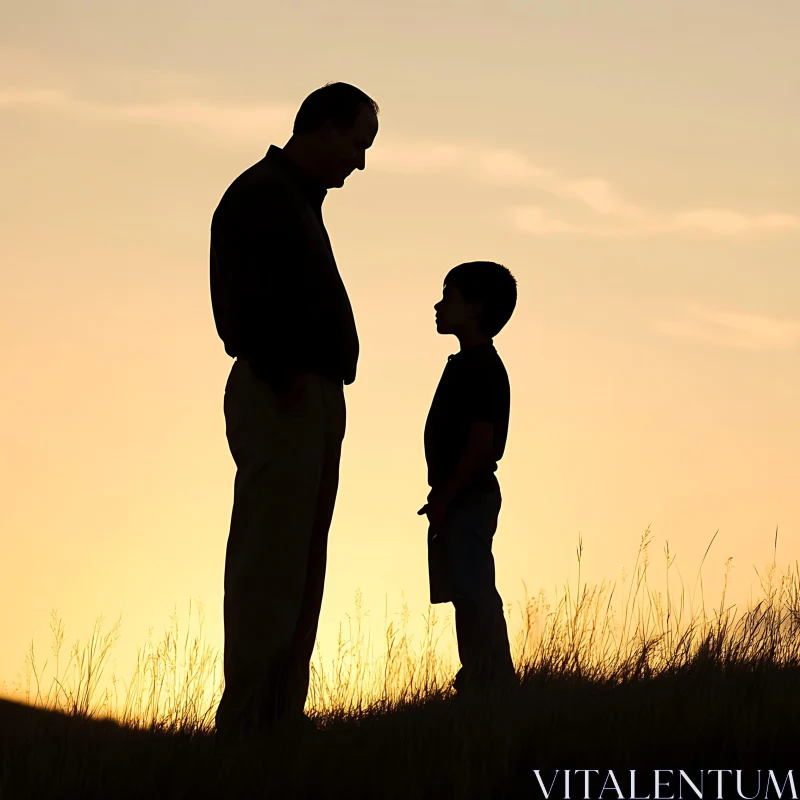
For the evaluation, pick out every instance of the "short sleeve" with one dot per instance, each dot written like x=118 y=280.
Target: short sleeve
x=480 y=396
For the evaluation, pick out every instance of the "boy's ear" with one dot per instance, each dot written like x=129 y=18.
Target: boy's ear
x=478 y=308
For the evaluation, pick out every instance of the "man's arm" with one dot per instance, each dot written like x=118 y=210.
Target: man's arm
x=274 y=293
x=478 y=454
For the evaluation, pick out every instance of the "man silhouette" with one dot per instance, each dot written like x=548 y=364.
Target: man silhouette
x=282 y=311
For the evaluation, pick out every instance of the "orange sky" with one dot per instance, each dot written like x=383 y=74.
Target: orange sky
x=635 y=167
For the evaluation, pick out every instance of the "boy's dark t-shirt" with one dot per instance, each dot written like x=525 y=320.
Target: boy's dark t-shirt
x=474 y=387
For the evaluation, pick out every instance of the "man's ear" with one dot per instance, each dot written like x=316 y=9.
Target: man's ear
x=326 y=131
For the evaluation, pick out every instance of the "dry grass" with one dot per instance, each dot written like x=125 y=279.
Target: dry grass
x=627 y=687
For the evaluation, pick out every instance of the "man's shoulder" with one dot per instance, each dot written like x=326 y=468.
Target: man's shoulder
x=260 y=185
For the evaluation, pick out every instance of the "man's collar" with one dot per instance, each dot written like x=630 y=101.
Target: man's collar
x=312 y=189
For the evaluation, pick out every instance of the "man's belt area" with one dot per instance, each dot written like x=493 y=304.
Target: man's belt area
x=278 y=376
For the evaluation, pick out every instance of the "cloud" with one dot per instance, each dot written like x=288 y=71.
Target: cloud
x=732 y=329
x=598 y=195
x=717 y=222
x=422 y=156
x=232 y=122
x=34 y=97
x=415 y=157
x=533 y=219
x=616 y=216
x=725 y=223
x=620 y=218
x=505 y=165
x=243 y=122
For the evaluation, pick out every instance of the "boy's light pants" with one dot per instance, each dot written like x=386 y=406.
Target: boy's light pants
x=285 y=489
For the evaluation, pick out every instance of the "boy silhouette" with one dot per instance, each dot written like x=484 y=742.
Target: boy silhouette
x=465 y=436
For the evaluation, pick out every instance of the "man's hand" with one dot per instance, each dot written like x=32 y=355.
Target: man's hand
x=292 y=391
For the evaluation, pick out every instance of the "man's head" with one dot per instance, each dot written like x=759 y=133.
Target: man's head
x=478 y=296
x=333 y=129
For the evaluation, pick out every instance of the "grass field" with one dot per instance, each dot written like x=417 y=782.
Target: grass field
x=643 y=690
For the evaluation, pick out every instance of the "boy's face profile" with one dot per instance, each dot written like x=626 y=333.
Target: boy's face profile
x=454 y=314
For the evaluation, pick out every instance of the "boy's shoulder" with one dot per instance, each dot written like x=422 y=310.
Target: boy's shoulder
x=485 y=361
x=481 y=374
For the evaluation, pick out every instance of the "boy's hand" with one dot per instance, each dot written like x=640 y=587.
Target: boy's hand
x=436 y=509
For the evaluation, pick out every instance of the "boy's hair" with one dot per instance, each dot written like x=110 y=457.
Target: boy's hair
x=339 y=102
x=488 y=283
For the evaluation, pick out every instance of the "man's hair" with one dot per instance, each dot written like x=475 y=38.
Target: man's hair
x=488 y=283
x=339 y=102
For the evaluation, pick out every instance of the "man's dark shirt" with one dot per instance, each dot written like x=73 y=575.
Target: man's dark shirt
x=474 y=387
x=276 y=293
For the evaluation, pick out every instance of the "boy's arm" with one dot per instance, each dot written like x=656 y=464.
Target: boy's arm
x=478 y=453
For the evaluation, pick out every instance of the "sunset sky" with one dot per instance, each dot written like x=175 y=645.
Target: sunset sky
x=634 y=164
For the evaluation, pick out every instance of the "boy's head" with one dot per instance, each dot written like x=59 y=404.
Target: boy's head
x=478 y=297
